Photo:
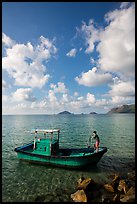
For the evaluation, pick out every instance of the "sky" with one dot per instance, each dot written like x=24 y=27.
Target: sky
x=67 y=56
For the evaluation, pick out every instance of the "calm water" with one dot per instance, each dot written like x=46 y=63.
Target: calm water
x=24 y=182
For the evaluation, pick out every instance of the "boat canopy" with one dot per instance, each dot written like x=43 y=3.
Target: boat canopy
x=45 y=131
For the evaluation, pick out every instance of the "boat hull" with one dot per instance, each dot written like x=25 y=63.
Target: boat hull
x=77 y=158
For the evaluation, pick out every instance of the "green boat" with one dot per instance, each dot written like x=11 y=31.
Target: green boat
x=45 y=150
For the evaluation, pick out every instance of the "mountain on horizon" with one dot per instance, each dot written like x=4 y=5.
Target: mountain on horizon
x=64 y=113
x=123 y=109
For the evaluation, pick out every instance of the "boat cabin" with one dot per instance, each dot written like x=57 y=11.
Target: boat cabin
x=46 y=142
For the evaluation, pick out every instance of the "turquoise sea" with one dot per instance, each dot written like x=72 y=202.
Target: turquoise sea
x=26 y=182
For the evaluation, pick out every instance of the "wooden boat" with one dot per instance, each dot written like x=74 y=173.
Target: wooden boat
x=46 y=151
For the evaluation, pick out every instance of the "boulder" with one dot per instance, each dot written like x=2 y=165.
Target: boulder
x=115 y=198
x=109 y=188
x=80 y=180
x=113 y=176
x=128 y=198
x=131 y=191
x=122 y=186
x=86 y=183
x=79 y=196
x=116 y=177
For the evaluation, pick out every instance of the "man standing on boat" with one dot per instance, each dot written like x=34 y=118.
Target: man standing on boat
x=96 y=137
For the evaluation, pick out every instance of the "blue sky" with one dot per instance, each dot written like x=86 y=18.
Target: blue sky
x=67 y=56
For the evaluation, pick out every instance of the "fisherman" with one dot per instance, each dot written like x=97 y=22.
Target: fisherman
x=96 y=137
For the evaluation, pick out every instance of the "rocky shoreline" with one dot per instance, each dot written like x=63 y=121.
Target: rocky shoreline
x=119 y=189
x=118 y=186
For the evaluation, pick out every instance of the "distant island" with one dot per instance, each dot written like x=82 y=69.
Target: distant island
x=93 y=113
x=64 y=113
x=123 y=109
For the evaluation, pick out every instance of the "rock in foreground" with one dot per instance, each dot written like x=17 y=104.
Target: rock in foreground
x=79 y=196
x=120 y=189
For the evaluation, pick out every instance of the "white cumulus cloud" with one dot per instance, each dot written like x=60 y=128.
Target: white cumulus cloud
x=39 y=105
x=90 y=98
x=26 y=63
x=124 y=4
x=23 y=94
x=92 y=60
x=7 y=41
x=118 y=100
x=65 y=98
x=52 y=97
x=117 y=42
x=91 y=34
x=72 y=53
x=59 y=88
x=5 y=98
x=122 y=88
x=93 y=78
